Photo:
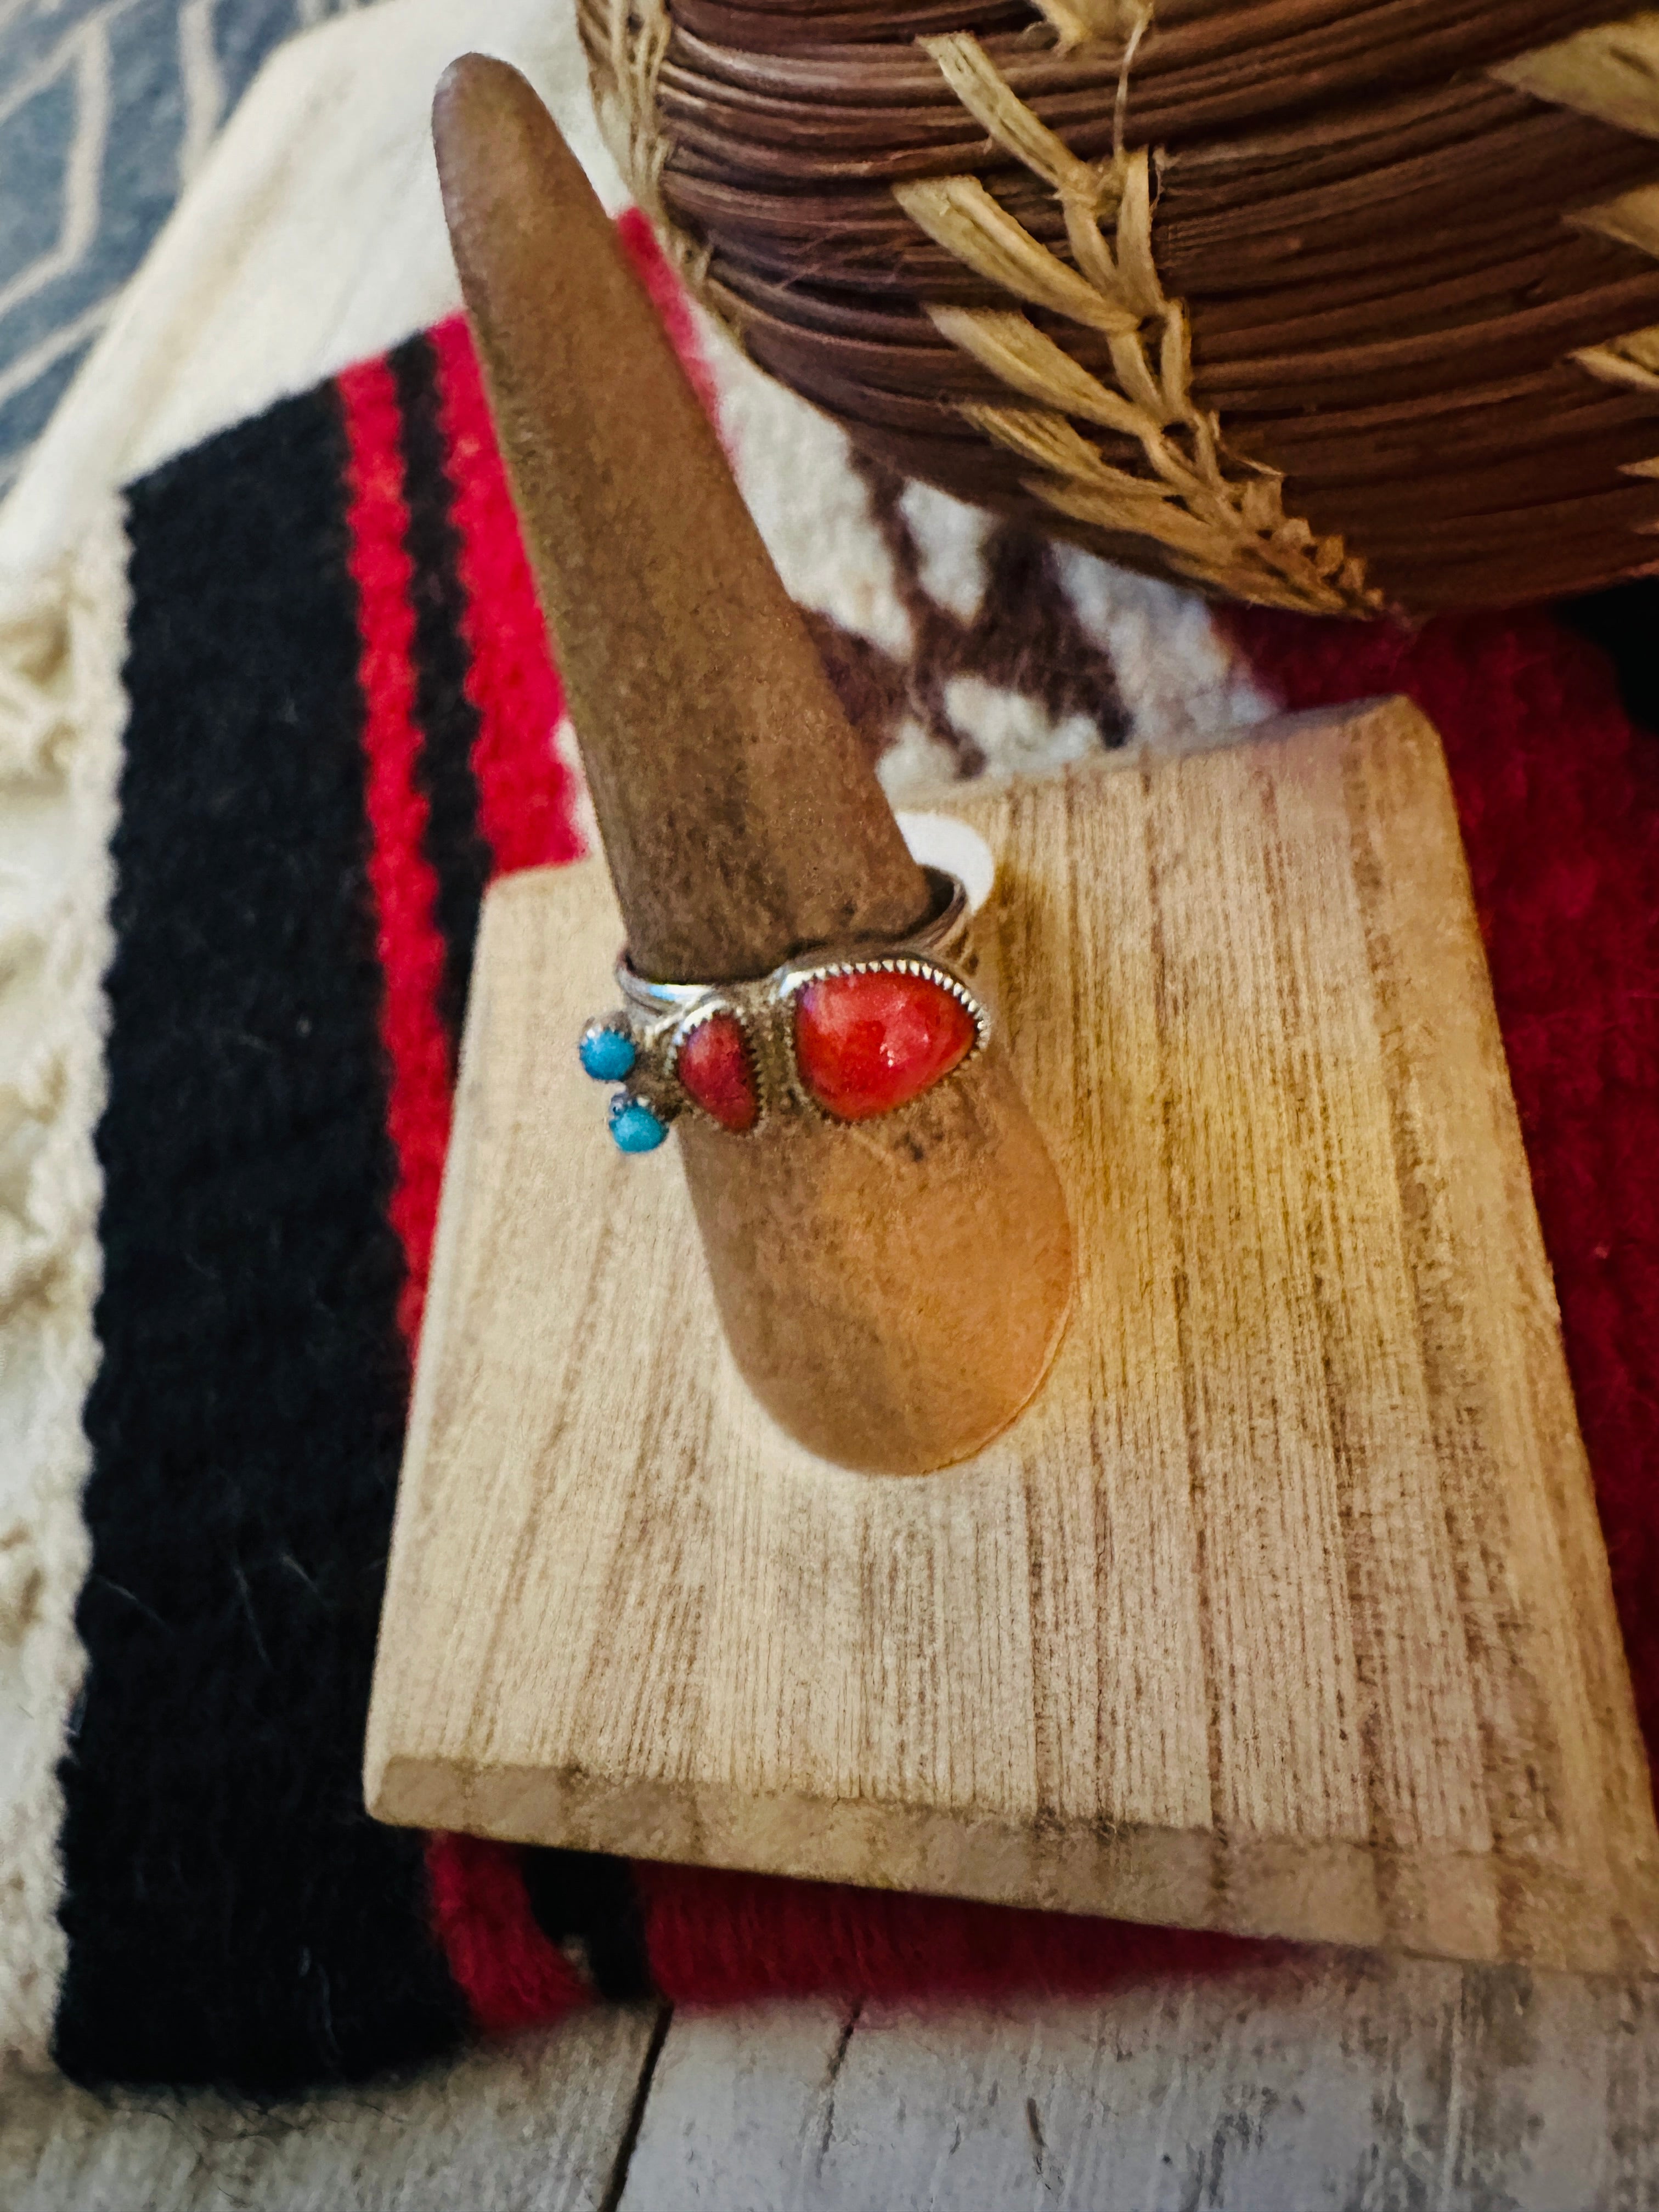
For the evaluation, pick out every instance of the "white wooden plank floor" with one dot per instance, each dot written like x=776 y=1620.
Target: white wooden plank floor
x=1333 y=2080
x=540 y=2127
x=312 y=236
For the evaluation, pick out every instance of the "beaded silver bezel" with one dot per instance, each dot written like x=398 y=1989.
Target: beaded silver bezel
x=722 y=1000
x=796 y=976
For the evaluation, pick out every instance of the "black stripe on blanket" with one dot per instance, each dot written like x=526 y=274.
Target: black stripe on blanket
x=233 y=1914
x=448 y=720
x=1624 y=621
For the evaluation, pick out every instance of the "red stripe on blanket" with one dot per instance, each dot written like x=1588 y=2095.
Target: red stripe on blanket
x=1558 y=797
x=510 y=1975
x=508 y=1970
x=404 y=887
x=672 y=303
x=527 y=797
x=718 y=1938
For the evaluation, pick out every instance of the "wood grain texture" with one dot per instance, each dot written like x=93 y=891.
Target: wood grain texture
x=1282 y=1609
x=540 y=2126
x=1329 y=2081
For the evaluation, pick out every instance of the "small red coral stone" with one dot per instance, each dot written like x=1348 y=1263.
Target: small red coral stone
x=866 y=1044
x=714 y=1068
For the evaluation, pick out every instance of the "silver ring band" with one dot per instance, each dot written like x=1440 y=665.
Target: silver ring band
x=941 y=937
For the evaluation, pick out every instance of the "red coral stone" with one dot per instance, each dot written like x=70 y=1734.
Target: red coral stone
x=715 y=1069
x=866 y=1044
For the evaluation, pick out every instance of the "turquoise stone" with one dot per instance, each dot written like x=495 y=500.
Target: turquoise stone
x=607 y=1055
x=636 y=1128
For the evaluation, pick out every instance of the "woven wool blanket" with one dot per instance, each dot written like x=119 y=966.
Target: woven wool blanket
x=263 y=744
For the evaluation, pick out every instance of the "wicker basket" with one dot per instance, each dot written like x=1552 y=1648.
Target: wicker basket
x=1339 y=305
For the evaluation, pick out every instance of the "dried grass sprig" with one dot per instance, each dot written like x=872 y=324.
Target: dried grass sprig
x=1219 y=518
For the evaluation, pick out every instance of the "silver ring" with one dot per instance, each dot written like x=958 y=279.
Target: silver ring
x=846 y=1033
x=941 y=937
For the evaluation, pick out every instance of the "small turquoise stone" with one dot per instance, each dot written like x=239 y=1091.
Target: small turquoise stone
x=636 y=1128
x=607 y=1055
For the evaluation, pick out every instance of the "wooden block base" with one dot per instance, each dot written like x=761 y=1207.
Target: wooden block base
x=1283 y=1609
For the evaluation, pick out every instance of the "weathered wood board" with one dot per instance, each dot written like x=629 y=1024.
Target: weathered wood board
x=544 y=2123
x=1283 y=1609
x=1322 y=2081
